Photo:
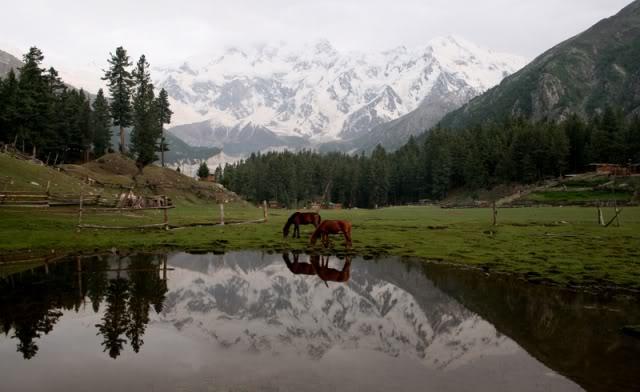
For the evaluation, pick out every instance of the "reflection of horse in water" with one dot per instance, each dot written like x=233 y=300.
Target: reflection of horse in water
x=332 y=227
x=300 y=218
x=319 y=265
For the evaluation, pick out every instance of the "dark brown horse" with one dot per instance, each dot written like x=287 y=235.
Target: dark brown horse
x=300 y=218
x=331 y=227
x=319 y=265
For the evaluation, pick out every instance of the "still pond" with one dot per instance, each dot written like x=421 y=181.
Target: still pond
x=250 y=321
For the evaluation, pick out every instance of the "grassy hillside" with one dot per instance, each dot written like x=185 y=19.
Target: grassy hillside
x=21 y=175
x=109 y=176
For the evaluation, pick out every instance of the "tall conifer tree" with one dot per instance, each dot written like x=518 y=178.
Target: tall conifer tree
x=9 y=107
x=164 y=117
x=101 y=124
x=32 y=99
x=120 y=82
x=145 y=132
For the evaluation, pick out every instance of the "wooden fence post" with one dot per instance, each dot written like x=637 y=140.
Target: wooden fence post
x=222 y=214
x=80 y=210
x=164 y=268
x=265 y=213
x=600 y=216
x=79 y=271
x=495 y=214
x=166 y=213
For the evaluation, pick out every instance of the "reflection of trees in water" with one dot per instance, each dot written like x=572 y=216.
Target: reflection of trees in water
x=32 y=302
x=116 y=318
x=128 y=304
x=97 y=281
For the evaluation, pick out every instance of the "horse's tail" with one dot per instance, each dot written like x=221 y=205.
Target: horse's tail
x=315 y=235
x=285 y=229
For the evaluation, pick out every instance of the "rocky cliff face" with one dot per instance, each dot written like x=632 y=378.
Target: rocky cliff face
x=597 y=68
x=8 y=62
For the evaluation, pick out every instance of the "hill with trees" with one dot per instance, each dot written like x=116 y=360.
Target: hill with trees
x=442 y=160
x=583 y=75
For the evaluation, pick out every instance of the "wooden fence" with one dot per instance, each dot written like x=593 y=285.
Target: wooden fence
x=24 y=199
x=163 y=203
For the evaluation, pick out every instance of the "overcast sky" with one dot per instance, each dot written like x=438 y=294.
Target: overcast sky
x=78 y=35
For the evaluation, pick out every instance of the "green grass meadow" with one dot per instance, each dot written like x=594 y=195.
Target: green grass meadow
x=555 y=245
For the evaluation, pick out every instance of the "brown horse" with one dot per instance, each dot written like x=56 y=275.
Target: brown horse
x=300 y=218
x=319 y=266
x=332 y=227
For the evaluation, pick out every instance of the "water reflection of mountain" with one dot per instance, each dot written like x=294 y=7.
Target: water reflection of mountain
x=248 y=307
x=31 y=302
x=254 y=303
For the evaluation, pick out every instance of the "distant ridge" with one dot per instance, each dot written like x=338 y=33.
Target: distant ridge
x=582 y=75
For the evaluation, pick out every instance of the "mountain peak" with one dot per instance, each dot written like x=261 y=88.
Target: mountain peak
x=323 y=46
x=316 y=93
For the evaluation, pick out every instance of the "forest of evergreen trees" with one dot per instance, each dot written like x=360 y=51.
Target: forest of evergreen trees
x=40 y=114
x=430 y=166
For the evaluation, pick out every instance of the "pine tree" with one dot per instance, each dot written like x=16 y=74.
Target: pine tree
x=79 y=126
x=33 y=101
x=146 y=132
x=632 y=140
x=9 y=107
x=119 y=81
x=101 y=124
x=203 y=170
x=164 y=117
x=378 y=177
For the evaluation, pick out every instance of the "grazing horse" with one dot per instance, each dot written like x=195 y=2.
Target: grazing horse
x=332 y=227
x=300 y=218
x=319 y=266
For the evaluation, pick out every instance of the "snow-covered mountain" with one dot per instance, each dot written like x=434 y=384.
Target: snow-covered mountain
x=271 y=96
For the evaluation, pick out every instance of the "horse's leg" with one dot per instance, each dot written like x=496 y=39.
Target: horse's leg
x=345 y=274
x=347 y=237
x=296 y=231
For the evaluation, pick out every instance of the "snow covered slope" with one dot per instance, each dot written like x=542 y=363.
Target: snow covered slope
x=272 y=96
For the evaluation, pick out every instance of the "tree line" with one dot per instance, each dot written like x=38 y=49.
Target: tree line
x=430 y=166
x=43 y=116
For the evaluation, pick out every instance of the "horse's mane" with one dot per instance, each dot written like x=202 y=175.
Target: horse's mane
x=289 y=222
